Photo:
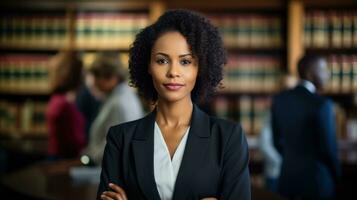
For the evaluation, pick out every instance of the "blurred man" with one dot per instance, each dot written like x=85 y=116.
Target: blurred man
x=121 y=104
x=304 y=134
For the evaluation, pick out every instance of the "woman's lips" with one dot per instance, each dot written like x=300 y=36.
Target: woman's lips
x=173 y=86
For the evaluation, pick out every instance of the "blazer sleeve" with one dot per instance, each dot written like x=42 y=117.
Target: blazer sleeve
x=235 y=172
x=327 y=138
x=111 y=167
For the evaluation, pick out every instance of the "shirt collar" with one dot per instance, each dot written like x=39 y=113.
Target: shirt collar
x=308 y=85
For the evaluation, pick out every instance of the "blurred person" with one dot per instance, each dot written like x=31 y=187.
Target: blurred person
x=65 y=122
x=272 y=158
x=304 y=134
x=121 y=104
x=89 y=100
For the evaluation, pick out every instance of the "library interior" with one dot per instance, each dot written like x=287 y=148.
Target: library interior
x=264 y=41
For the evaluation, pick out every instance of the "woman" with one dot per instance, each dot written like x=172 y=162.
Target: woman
x=177 y=151
x=65 y=122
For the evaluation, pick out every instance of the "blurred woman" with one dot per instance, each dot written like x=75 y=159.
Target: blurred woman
x=65 y=123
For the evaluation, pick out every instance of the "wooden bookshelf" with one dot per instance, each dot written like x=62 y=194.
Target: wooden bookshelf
x=328 y=28
x=41 y=28
x=272 y=32
x=84 y=22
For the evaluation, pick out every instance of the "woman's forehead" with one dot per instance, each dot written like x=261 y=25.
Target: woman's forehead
x=171 y=43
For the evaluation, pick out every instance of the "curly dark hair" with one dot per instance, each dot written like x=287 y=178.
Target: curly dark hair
x=204 y=40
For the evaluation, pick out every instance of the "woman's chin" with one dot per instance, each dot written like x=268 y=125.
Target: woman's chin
x=171 y=98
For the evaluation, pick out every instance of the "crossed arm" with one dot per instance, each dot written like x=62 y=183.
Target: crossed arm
x=119 y=194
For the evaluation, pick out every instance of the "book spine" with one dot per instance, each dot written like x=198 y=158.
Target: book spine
x=245 y=110
x=320 y=30
x=347 y=30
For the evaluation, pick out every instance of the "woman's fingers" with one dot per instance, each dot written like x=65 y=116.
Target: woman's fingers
x=119 y=190
x=108 y=195
x=104 y=197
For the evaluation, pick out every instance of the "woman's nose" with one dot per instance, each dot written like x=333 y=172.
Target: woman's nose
x=173 y=71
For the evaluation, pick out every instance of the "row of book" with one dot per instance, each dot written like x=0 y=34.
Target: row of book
x=249 y=30
x=21 y=119
x=250 y=111
x=34 y=31
x=343 y=69
x=108 y=30
x=30 y=73
x=252 y=73
x=91 y=30
x=330 y=29
x=24 y=73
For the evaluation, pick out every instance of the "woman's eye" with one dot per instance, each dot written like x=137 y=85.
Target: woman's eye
x=161 y=61
x=185 y=62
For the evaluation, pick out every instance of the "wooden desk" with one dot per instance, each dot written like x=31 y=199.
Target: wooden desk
x=48 y=181
x=52 y=181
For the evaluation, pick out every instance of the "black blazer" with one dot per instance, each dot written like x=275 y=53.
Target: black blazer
x=214 y=164
x=305 y=134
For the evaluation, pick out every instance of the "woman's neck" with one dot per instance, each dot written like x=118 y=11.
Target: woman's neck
x=174 y=114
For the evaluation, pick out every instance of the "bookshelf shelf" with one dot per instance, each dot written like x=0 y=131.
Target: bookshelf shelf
x=31 y=146
x=33 y=51
x=33 y=48
x=95 y=49
x=25 y=92
x=256 y=50
x=237 y=93
x=328 y=51
x=339 y=94
x=23 y=135
x=226 y=5
x=104 y=6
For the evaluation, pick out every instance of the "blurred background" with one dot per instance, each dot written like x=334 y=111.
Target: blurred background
x=264 y=40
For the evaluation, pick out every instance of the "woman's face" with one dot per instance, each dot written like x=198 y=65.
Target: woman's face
x=173 y=67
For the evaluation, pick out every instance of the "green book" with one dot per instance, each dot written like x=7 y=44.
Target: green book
x=320 y=30
x=336 y=30
x=347 y=30
x=308 y=30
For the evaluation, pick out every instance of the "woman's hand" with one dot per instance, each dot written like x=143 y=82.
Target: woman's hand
x=117 y=194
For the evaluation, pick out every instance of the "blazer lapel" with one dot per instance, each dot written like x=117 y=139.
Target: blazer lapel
x=143 y=149
x=197 y=143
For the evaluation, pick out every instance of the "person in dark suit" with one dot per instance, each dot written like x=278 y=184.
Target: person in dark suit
x=65 y=122
x=304 y=133
x=177 y=151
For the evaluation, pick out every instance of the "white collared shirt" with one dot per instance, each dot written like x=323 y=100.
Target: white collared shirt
x=308 y=85
x=165 y=169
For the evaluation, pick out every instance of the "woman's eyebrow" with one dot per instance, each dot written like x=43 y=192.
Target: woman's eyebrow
x=162 y=54
x=184 y=55
x=180 y=56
